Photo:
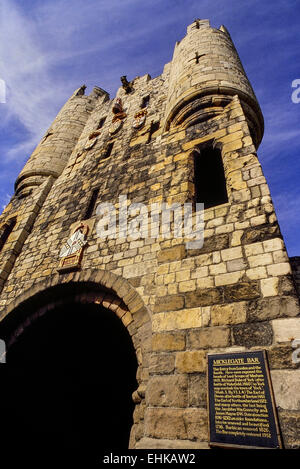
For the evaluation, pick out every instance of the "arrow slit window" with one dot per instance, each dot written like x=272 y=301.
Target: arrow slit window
x=101 y=123
x=145 y=102
x=92 y=202
x=6 y=230
x=108 y=150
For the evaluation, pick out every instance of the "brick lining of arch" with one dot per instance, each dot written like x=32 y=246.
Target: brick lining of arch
x=98 y=286
x=101 y=298
x=102 y=279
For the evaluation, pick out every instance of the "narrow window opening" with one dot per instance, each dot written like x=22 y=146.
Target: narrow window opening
x=101 y=123
x=209 y=178
x=92 y=203
x=145 y=102
x=6 y=230
x=24 y=194
x=153 y=128
x=48 y=134
x=108 y=151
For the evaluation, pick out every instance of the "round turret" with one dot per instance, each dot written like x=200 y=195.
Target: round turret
x=51 y=155
x=206 y=72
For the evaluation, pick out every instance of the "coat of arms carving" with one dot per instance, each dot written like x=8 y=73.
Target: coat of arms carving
x=139 y=119
x=119 y=116
x=71 y=252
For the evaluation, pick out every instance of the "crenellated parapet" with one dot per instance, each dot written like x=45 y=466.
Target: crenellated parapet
x=206 y=72
x=93 y=237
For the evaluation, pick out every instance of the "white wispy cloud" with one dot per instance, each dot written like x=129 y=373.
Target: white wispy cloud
x=31 y=96
x=39 y=55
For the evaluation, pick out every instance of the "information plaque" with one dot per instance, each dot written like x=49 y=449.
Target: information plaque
x=241 y=406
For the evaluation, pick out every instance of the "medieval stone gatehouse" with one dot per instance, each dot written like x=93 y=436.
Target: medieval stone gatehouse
x=132 y=320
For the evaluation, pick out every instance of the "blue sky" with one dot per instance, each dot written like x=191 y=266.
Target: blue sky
x=48 y=48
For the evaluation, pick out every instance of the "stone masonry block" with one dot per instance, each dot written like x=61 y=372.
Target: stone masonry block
x=251 y=335
x=190 y=361
x=229 y=278
x=286 y=384
x=168 y=391
x=269 y=286
x=231 y=253
x=171 y=254
x=286 y=330
x=161 y=363
x=234 y=313
x=165 y=342
x=283 y=268
x=169 y=303
x=182 y=424
x=209 y=337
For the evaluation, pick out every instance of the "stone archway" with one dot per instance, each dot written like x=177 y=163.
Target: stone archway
x=94 y=290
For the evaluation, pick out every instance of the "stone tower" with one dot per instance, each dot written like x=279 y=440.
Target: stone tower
x=149 y=310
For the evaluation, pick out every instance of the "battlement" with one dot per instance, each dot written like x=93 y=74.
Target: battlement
x=198 y=24
x=186 y=137
x=206 y=69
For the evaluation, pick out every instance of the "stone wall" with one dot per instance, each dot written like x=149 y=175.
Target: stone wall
x=236 y=293
x=295 y=264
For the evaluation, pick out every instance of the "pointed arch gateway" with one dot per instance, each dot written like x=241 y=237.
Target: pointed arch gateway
x=76 y=346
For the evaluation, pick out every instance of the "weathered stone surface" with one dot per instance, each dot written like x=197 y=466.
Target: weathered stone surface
x=241 y=291
x=183 y=319
x=196 y=424
x=283 y=268
x=229 y=278
x=286 y=285
x=168 y=341
x=205 y=297
x=286 y=385
x=154 y=443
x=269 y=286
x=234 y=313
x=165 y=423
x=171 y=254
x=286 y=330
x=251 y=335
x=191 y=300
x=161 y=363
x=208 y=337
x=260 y=234
x=295 y=277
x=197 y=390
x=290 y=428
x=170 y=391
x=135 y=281
x=271 y=308
x=280 y=357
x=169 y=303
x=139 y=412
x=236 y=264
x=273 y=245
x=191 y=361
x=231 y=253
x=138 y=430
x=213 y=243
x=184 y=424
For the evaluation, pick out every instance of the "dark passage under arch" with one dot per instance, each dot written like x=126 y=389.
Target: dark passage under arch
x=67 y=384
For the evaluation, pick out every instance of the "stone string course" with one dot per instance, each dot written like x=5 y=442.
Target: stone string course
x=236 y=293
